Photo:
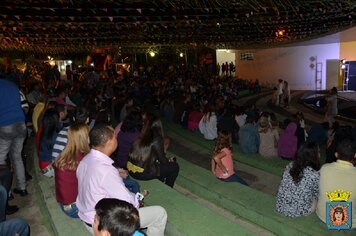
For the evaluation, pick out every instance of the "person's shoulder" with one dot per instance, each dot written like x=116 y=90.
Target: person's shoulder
x=226 y=150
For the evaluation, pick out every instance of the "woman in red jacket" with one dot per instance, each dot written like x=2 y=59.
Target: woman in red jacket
x=66 y=165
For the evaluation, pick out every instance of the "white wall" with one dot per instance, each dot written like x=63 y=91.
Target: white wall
x=288 y=63
x=225 y=56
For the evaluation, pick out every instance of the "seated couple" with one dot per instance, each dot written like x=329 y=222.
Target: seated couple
x=98 y=178
x=303 y=187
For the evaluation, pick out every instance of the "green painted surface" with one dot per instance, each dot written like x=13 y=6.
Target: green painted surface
x=186 y=217
x=62 y=225
x=250 y=204
x=272 y=165
x=189 y=216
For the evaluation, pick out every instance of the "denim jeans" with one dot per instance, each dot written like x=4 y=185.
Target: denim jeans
x=13 y=226
x=11 y=142
x=235 y=178
x=70 y=210
x=132 y=185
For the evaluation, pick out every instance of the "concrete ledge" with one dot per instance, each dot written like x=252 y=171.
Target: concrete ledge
x=272 y=165
x=188 y=216
x=185 y=216
x=250 y=204
x=61 y=223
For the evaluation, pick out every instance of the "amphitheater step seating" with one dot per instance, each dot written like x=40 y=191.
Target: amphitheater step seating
x=247 y=203
x=187 y=216
x=61 y=223
x=273 y=165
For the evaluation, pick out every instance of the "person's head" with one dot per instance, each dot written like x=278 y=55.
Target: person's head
x=62 y=93
x=346 y=150
x=133 y=122
x=223 y=140
x=102 y=138
x=78 y=142
x=152 y=127
x=339 y=215
x=250 y=119
x=81 y=115
x=103 y=117
x=333 y=90
x=300 y=115
x=115 y=217
x=264 y=123
x=308 y=155
x=62 y=111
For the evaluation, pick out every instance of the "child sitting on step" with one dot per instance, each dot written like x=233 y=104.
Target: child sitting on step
x=222 y=164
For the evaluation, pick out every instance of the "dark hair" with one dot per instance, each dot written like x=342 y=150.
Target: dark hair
x=133 y=122
x=60 y=108
x=308 y=155
x=150 y=146
x=339 y=209
x=50 y=126
x=103 y=117
x=325 y=125
x=223 y=140
x=346 y=150
x=118 y=217
x=81 y=115
x=100 y=134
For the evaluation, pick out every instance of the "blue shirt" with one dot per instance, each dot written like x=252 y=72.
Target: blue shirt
x=10 y=104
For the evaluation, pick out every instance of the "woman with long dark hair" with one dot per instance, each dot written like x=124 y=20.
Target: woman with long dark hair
x=147 y=157
x=298 y=192
x=50 y=128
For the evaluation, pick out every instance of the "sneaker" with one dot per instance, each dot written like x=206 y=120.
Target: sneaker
x=21 y=192
x=11 y=209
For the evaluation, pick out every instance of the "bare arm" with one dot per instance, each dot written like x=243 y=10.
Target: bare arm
x=217 y=158
x=213 y=165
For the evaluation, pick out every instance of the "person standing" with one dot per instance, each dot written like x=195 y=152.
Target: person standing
x=280 y=91
x=331 y=107
x=12 y=132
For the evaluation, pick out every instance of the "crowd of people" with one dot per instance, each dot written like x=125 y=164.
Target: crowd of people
x=92 y=160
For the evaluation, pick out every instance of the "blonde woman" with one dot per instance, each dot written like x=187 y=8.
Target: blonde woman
x=66 y=165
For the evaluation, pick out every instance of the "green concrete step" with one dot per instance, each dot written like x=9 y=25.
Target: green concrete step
x=62 y=225
x=188 y=216
x=247 y=203
x=185 y=216
x=272 y=165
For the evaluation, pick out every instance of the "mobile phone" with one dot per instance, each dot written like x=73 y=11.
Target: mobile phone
x=139 y=196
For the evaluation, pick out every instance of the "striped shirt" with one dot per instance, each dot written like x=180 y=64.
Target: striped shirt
x=60 y=143
x=24 y=104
